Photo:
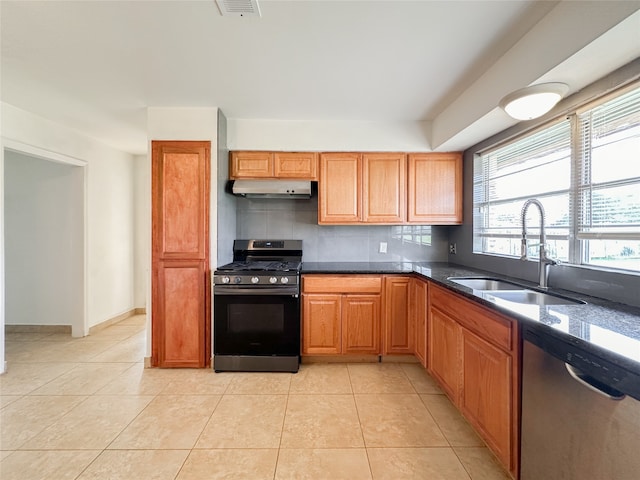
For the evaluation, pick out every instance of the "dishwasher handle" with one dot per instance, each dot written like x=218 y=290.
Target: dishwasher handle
x=593 y=384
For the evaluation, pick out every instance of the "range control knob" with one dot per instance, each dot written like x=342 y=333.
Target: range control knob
x=225 y=279
x=273 y=280
x=237 y=280
x=255 y=279
x=284 y=280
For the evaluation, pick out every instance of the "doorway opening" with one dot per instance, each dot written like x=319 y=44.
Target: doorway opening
x=44 y=251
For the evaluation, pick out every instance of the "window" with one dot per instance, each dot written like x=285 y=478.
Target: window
x=585 y=170
x=609 y=183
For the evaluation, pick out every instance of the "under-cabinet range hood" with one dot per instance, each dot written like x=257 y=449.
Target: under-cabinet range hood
x=271 y=188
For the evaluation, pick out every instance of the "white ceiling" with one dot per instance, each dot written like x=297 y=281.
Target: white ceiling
x=96 y=66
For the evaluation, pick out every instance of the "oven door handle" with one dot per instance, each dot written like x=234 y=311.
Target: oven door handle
x=224 y=290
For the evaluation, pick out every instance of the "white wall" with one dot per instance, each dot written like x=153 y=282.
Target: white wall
x=142 y=228
x=44 y=241
x=201 y=124
x=109 y=208
x=111 y=236
x=246 y=134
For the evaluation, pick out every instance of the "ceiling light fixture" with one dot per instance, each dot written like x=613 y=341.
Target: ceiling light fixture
x=534 y=101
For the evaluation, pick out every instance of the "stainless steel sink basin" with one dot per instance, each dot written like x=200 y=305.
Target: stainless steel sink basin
x=532 y=297
x=485 y=283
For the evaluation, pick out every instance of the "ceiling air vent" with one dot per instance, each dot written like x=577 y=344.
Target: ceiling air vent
x=239 y=8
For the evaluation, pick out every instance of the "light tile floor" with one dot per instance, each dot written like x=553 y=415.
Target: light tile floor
x=87 y=409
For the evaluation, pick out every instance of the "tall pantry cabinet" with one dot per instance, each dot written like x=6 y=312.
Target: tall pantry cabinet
x=180 y=253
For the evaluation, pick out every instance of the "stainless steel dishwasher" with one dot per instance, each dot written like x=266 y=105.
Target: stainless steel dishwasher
x=575 y=426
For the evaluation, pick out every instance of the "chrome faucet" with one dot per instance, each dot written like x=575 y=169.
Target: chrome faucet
x=545 y=261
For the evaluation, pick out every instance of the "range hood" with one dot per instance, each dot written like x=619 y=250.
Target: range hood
x=272 y=188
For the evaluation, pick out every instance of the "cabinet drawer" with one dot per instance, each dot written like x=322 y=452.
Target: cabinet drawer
x=490 y=326
x=341 y=284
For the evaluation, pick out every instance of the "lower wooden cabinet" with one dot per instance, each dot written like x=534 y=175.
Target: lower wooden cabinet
x=486 y=395
x=322 y=324
x=361 y=324
x=418 y=305
x=472 y=351
x=398 y=334
x=444 y=351
x=341 y=314
x=474 y=354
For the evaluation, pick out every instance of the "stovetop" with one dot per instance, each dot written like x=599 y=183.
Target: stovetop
x=261 y=266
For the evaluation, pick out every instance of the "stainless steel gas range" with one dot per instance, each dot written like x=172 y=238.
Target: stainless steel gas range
x=256 y=303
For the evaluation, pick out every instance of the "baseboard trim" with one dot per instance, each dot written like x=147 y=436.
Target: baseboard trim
x=358 y=359
x=339 y=359
x=38 y=329
x=116 y=319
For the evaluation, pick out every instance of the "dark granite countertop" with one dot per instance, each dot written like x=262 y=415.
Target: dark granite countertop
x=608 y=330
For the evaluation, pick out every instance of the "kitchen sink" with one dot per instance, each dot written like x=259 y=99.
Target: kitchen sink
x=531 y=297
x=485 y=283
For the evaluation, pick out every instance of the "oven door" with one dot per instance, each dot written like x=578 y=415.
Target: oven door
x=256 y=322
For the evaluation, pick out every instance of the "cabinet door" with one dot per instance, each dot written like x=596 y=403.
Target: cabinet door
x=339 y=188
x=321 y=324
x=486 y=393
x=180 y=313
x=418 y=315
x=251 y=164
x=384 y=187
x=296 y=165
x=180 y=254
x=435 y=188
x=445 y=361
x=361 y=324
x=397 y=332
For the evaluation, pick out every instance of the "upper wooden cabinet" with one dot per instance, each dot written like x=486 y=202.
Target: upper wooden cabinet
x=362 y=188
x=390 y=188
x=340 y=191
x=251 y=164
x=383 y=187
x=303 y=165
x=435 y=188
x=254 y=164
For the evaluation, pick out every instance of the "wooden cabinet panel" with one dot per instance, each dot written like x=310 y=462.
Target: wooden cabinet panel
x=251 y=164
x=418 y=314
x=486 y=393
x=398 y=337
x=341 y=314
x=474 y=353
x=179 y=192
x=489 y=325
x=342 y=283
x=321 y=324
x=361 y=324
x=180 y=313
x=444 y=351
x=182 y=289
x=384 y=187
x=303 y=165
x=339 y=189
x=435 y=188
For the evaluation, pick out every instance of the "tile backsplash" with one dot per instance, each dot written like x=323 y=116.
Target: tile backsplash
x=298 y=219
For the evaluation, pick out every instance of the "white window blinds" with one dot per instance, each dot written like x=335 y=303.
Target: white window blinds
x=538 y=165
x=609 y=170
